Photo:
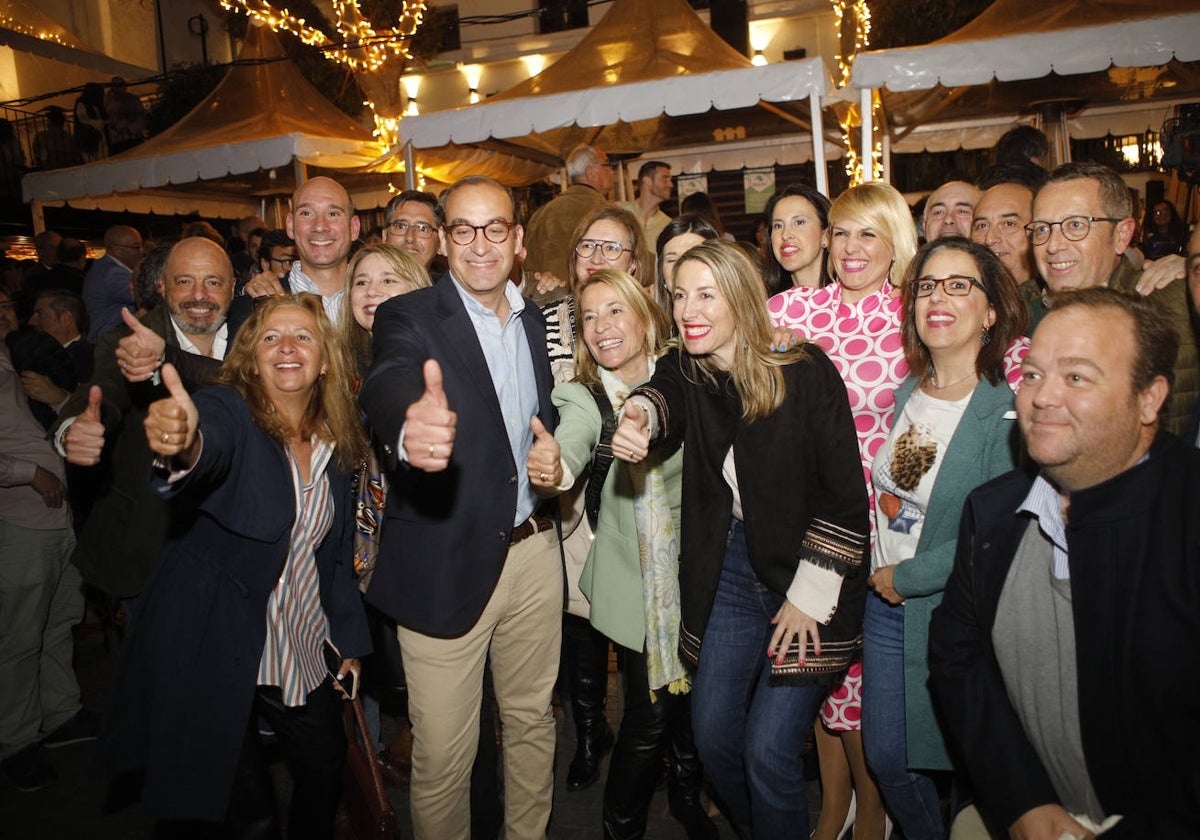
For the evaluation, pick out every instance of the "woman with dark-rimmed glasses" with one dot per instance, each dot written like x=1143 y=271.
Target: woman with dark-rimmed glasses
x=952 y=430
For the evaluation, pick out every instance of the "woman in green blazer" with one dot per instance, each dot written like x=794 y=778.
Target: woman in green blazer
x=953 y=430
x=631 y=575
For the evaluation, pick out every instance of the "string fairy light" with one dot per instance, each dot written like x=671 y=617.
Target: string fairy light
x=861 y=13
x=9 y=22
x=387 y=128
x=362 y=48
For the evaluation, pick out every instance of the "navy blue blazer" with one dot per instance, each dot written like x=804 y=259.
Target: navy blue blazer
x=190 y=667
x=445 y=534
x=1134 y=552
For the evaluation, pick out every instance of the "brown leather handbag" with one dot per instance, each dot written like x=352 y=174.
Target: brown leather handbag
x=367 y=805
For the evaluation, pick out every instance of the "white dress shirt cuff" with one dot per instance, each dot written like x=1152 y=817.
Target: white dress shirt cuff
x=815 y=591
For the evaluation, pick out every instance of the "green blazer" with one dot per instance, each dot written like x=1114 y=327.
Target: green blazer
x=983 y=446
x=612 y=576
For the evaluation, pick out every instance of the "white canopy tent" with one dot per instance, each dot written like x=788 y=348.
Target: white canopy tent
x=966 y=89
x=633 y=86
x=249 y=141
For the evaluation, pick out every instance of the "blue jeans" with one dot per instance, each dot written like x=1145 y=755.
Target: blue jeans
x=750 y=733
x=911 y=797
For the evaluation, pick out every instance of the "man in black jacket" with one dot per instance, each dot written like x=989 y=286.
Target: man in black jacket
x=1060 y=657
x=118 y=547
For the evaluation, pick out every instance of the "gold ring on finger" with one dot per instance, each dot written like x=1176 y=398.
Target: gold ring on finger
x=431 y=450
x=166 y=437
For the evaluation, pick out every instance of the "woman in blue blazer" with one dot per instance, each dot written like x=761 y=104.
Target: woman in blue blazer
x=240 y=607
x=953 y=430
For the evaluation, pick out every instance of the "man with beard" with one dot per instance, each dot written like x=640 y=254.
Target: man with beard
x=130 y=524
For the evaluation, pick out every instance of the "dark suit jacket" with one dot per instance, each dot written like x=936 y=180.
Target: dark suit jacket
x=189 y=670
x=128 y=525
x=243 y=305
x=82 y=353
x=41 y=353
x=445 y=534
x=1134 y=547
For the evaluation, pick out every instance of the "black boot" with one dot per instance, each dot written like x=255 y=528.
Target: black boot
x=586 y=653
x=637 y=759
x=686 y=776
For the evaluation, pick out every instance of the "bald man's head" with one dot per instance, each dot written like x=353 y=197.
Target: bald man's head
x=323 y=224
x=197 y=285
x=123 y=243
x=948 y=210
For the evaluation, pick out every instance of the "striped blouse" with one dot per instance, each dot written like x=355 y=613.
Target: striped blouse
x=296 y=623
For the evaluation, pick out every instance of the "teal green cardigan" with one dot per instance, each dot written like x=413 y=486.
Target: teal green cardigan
x=983 y=447
x=612 y=576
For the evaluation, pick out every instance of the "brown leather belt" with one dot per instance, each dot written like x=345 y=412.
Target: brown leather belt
x=533 y=525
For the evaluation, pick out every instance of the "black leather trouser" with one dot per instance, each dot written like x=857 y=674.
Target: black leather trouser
x=648 y=729
x=312 y=738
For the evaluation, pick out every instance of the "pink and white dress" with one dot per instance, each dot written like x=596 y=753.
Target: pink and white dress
x=863 y=341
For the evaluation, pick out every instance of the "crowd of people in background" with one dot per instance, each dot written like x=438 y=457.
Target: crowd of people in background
x=104 y=120
x=915 y=487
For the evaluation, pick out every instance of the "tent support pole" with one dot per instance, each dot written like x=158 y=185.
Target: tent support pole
x=887 y=158
x=886 y=147
x=868 y=133
x=410 y=166
x=39 y=216
x=818 y=139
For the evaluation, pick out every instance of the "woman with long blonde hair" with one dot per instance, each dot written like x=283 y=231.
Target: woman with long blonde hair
x=609 y=238
x=631 y=576
x=772 y=575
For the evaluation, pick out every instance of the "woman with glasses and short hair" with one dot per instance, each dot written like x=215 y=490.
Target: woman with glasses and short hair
x=953 y=429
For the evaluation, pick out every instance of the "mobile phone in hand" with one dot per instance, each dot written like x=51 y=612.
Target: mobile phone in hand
x=333 y=664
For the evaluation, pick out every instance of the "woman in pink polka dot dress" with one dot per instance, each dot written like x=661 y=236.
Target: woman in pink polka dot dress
x=856 y=320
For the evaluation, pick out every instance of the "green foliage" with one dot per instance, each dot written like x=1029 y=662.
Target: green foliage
x=906 y=23
x=335 y=81
x=181 y=90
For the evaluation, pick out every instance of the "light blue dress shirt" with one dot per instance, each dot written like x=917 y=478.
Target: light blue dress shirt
x=506 y=348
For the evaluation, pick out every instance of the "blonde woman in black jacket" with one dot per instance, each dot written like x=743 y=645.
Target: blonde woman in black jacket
x=772 y=581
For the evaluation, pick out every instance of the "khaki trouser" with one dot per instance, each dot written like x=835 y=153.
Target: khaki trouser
x=521 y=627
x=41 y=598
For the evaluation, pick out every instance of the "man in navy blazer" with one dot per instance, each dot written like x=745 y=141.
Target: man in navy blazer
x=1059 y=657
x=459 y=388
